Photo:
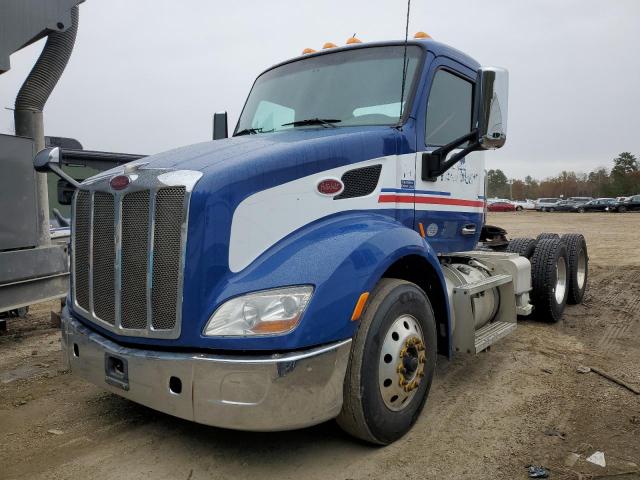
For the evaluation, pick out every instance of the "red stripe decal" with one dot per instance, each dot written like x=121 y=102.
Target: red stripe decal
x=430 y=200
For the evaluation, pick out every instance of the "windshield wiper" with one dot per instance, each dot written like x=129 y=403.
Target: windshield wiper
x=325 y=122
x=252 y=131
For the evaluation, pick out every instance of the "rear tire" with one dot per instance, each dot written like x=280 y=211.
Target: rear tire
x=369 y=411
x=581 y=210
x=622 y=209
x=522 y=246
x=545 y=236
x=578 y=266
x=549 y=272
x=518 y=209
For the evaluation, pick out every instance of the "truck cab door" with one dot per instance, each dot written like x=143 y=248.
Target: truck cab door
x=450 y=209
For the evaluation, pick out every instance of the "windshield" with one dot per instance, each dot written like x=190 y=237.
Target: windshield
x=352 y=87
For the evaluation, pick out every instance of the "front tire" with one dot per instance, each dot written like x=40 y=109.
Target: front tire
x=393 y=355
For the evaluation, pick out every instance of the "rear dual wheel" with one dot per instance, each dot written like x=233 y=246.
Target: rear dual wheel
x=522 y=246
x=578 y=266
x=550 y=279
x=391 y=366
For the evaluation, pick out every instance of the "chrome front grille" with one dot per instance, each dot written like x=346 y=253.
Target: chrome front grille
x=82 y=236
x=135 y=245
x=128 y=252
x=166 y=255
x=104 y=254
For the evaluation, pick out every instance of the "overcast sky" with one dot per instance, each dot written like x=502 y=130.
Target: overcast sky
x=146 y=75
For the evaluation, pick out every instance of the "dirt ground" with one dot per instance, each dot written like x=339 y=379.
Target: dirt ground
x=489 y=416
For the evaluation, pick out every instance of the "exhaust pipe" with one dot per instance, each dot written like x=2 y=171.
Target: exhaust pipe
x=33 y=96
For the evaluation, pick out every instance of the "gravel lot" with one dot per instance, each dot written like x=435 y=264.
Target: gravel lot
x=488 y=416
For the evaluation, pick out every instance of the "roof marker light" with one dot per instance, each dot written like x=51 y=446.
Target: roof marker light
x=352 y=40
x=329 y=45
x=307 y=51
x=421 y=35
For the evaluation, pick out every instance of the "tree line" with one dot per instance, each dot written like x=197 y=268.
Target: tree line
x=622 y=180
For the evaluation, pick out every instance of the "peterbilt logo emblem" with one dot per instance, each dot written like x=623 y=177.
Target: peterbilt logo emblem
x=119 y=182
x=330 y=186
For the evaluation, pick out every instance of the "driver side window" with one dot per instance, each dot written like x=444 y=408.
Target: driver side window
x=448 y=109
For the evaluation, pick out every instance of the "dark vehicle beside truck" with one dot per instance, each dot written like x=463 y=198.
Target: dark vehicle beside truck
x=597 y=205
x=566 y=206
x=629 y=205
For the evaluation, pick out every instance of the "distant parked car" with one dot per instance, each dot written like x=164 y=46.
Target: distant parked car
x=580 y=199
x=546 y=204
x=501 y=207
x=496 y=199
x=524 y=204
x=565 y=206
x=630 y=204
x=597 y=205
x=621 y=199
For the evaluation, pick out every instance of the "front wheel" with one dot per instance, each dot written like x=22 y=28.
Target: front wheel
x=622 y=209
x=391 y=366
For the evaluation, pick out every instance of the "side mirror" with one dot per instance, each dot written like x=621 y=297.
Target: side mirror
x=48 y=160
x=493 y=97
x=220 y=130
x=492 y=89
x=45 y=158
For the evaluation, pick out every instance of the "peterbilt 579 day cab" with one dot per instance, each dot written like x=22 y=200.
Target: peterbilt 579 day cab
x=313 y=265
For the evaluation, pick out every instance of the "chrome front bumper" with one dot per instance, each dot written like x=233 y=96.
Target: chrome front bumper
x=260 y=393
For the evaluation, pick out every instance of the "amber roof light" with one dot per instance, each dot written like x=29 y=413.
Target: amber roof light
x=352 y=40
x=421 y=35
x=307 y=51
x=329 y=45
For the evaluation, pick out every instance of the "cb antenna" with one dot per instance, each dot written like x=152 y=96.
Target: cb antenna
x=404 y=61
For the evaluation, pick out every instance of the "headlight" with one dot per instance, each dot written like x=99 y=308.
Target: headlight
x=269 y=312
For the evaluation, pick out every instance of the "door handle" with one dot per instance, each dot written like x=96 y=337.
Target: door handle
x=469 y=229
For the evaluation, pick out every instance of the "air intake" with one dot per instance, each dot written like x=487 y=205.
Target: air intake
x=359 y=182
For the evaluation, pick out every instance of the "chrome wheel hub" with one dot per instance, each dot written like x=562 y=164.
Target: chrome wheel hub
x=402 y=362
x=561 y=280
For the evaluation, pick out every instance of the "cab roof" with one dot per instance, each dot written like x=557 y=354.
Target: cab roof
x=430 y=45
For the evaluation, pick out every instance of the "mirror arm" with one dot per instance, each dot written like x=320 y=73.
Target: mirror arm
x=48 y=160
x=435 y=163
x=459 y=156
x=63 y=175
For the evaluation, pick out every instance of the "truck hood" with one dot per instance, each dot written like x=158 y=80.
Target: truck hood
x=275 y=148
x=232 y=170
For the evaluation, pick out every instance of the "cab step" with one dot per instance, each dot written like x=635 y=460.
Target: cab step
x=491 y=333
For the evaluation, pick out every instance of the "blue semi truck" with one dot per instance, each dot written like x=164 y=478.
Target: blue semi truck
x=313 y=265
